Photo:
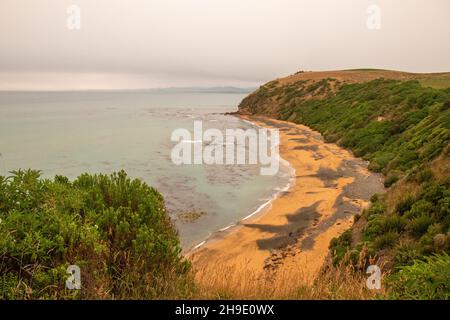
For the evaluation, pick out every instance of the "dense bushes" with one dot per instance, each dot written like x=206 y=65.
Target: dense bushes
x=408 y=232
x=115 y=229
x=396 y=125
x=417 y=219
x=428 y=279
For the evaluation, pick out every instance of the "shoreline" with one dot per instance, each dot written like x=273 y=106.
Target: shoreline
x=294 y=228
x=260 y=210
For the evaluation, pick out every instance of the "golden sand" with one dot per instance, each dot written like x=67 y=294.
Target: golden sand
x=294 y=232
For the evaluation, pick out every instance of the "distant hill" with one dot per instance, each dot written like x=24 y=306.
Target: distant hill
x=437 y=80
x=290 y=85
x=203 y=90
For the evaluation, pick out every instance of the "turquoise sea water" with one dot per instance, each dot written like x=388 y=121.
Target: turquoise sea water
x=70 y=133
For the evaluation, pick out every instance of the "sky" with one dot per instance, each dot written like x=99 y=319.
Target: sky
x=130 y=44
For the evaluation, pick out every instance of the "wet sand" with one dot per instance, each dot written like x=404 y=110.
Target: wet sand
x=294 y=232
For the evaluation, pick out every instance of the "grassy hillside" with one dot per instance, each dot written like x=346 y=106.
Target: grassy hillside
x=115 y=229
x=402 y=126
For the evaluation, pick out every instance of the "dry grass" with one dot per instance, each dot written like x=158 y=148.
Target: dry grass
x=439 y=81
x=404 y=189
x=401 y=192
x=441 y=166
x=228 y=282
x=436 y=80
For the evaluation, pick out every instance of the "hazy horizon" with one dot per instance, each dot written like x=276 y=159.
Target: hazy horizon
x=180 y=89
x=141 y=44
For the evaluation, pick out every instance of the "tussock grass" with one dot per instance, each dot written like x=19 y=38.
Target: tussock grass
x=236 y=282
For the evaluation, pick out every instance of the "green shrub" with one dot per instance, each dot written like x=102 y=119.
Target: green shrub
x=405 y=254
x=425 y=279
x=390 y=180
x=404 y=205
x=374 y=198
x=425 y=175
x=114 y=228
x=419 y=208
x=373 y=227
x=445 y=106
x=393 y=223
x=419 y=225
x=339 y=246
x=442 y=209
x=377 y=208
x=386 y=240
x=435 y=192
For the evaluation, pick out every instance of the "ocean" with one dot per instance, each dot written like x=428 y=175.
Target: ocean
x=69 y=133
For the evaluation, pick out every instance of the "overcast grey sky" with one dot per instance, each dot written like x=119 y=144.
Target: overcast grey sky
x=153 y=43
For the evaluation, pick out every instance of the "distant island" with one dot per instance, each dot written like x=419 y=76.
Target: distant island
x=202 y=90
x=219 y=89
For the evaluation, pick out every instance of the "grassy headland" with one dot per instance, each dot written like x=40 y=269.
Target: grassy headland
x=401 y=124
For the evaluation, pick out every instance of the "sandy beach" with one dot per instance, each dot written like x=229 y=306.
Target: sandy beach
x=294 y=231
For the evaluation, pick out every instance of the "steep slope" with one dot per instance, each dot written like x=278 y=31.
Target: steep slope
x=318 y=85
x=401 y=125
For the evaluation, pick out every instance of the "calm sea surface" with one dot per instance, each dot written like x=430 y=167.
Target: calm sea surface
x=70 y=133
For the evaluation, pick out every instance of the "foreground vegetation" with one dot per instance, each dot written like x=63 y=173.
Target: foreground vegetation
x=114 y=228
x=403 y=129
x=241 y=282
x=119 y=234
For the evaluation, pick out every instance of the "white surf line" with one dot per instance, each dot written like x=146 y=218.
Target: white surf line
x=249 y=122
x=273 y=198
x=199 y=245
x=280 y=191
x=227 y=227
x=261 y=207
x=209 y=236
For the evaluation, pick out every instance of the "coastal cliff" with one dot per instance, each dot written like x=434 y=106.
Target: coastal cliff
x=400 y=123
